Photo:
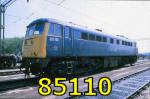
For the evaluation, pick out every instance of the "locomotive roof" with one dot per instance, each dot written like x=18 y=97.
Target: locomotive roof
x=75 y=26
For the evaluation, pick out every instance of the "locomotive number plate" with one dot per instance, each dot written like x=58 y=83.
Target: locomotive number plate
x=45 y=88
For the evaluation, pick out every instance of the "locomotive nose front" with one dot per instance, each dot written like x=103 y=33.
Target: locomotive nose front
x=35 y=41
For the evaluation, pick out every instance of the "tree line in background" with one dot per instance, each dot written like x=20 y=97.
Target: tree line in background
x=13 y=45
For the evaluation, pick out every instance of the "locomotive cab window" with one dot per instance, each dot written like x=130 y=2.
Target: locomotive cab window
x=36 y=29
x=30 y=31
x=39 y=28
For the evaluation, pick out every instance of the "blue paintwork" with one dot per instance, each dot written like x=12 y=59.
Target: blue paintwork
x=80 y=47
x=54 y=48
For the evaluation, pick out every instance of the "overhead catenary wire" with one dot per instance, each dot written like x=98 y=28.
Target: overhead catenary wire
x=59 y=4
x=82 y=14
x=30 y=15
x=3 y=7
x=143 y=39
x=19 y=19
x=71 y=10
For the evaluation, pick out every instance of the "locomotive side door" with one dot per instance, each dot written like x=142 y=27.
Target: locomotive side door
x=68 y=41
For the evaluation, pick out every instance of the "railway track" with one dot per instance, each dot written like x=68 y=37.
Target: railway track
x=10 y=72
x=17 y=71
x=125 y=88
x=140 y=62
x=17 y=83
x=117 y=76
x=144 y=93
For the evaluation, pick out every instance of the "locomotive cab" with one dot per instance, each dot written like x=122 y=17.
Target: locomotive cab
x=35 y=41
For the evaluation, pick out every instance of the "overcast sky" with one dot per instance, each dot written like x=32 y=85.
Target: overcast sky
x=128 y=18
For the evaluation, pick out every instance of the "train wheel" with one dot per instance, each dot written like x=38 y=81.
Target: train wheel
x=35 y=69
x=4 y=63
x=8 y=63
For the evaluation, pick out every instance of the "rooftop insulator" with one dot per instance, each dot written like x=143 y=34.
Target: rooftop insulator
x=99 y=30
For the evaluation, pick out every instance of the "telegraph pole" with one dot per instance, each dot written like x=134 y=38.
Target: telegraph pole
x=4 y=59
x=0 y=31
x=2 y=27
x=3 y=6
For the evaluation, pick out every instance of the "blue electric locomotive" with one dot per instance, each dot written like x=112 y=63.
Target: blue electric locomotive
x=55 y=47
